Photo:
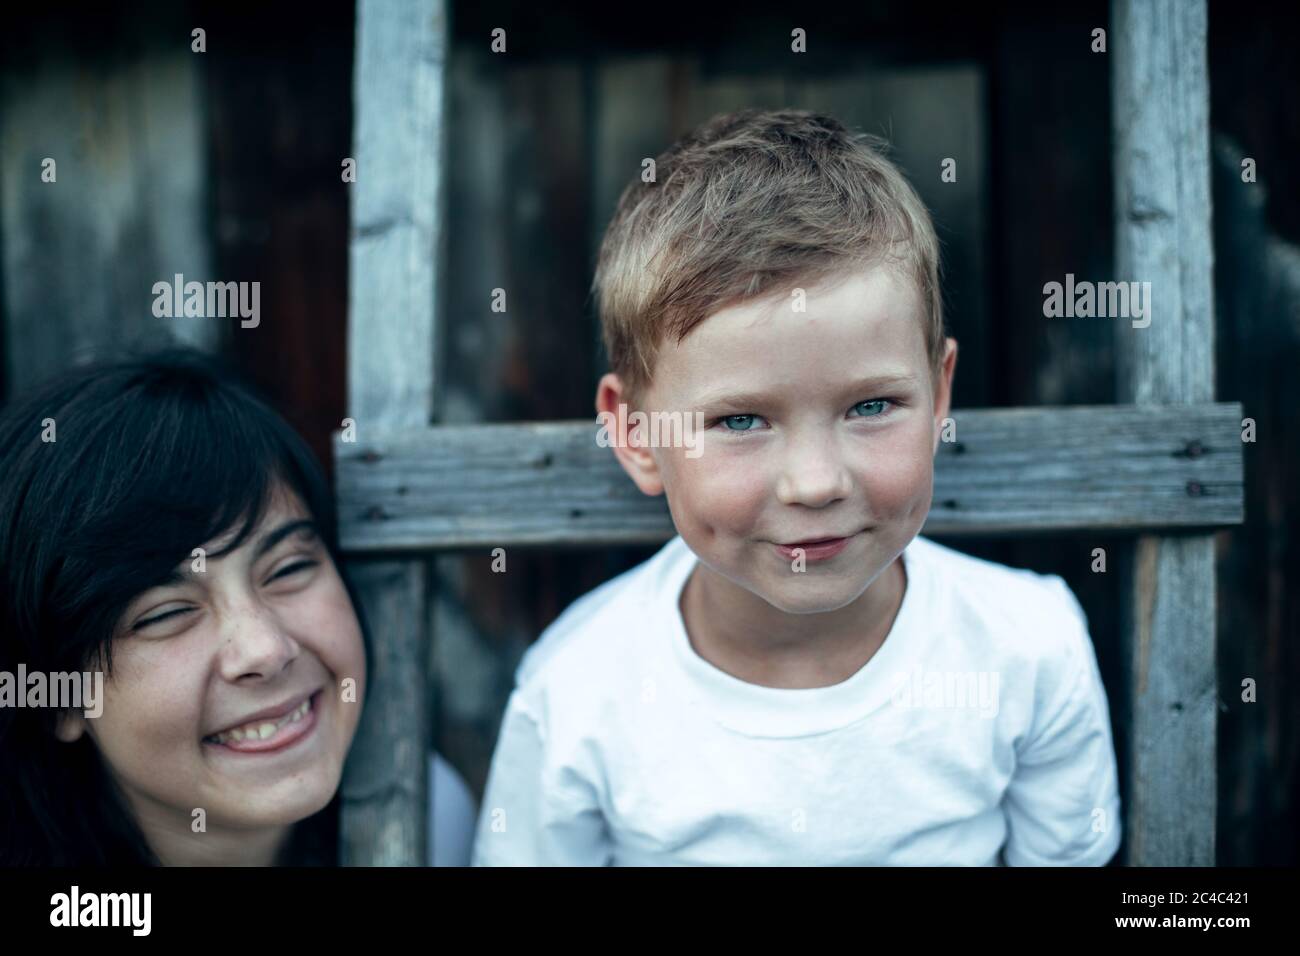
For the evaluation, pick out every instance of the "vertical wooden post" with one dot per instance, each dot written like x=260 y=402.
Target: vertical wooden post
x=1162 y=206
x=395 y=257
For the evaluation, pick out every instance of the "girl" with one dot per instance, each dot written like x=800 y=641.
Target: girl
x=162 y=526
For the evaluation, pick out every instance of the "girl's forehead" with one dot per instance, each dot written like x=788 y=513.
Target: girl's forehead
x=282 y=504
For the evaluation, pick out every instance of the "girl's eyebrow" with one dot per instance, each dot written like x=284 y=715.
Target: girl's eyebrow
x=272 y=538
x=269 y=541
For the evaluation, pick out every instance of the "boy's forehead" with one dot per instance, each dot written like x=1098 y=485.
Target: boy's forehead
x=867 y=323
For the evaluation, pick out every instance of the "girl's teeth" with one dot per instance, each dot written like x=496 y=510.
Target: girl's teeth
x=265 y=729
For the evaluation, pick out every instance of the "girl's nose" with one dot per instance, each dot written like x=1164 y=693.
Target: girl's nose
x=256 y=643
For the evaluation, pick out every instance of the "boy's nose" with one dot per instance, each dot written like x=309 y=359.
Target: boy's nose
x=813 y=475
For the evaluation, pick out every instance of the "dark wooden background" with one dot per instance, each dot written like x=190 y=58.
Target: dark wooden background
x=226 y=164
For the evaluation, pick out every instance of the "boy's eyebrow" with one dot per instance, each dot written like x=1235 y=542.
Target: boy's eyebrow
x=874 y=383
x=269 y=541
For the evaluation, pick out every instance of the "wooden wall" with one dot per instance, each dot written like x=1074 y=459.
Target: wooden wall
x=117 y=103
x=230 y=164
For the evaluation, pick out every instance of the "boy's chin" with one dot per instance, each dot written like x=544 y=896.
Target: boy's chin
x=812 y=596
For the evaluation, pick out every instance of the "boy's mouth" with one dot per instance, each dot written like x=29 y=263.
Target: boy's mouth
x=815 y=549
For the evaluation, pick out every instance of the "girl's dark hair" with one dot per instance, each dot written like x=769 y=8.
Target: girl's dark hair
x=151 y=457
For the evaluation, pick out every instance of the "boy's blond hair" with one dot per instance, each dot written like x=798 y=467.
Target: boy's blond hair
x=749 y=205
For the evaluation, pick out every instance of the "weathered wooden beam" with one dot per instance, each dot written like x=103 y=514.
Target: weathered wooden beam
x=394 y=268
x=1010 y=471
x=1160 y=89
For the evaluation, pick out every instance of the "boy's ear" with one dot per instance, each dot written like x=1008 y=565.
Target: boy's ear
x=612 y=408
x=943 y=388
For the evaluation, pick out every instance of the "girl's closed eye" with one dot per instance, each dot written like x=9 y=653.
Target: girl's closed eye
x=293 y=569
x=159 y=618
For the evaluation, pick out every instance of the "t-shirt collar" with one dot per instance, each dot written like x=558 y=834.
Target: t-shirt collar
x=759 y=711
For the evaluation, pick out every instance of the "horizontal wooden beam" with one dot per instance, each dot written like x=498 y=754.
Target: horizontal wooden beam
x=1117 y=468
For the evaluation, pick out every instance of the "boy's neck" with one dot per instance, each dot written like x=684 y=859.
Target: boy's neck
x=743 y=635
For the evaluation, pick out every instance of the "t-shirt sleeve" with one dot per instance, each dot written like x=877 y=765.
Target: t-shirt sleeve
x=1062 y=804
x=533 y=813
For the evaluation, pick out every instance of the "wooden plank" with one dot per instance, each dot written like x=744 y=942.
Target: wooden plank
x=1257 y=279
x=518 y=193
x=295 y=241
x=395 y=247
x=397 y=142
x=80 y=255
x=632 y=119
x=1163 y=236
x=1017 y=470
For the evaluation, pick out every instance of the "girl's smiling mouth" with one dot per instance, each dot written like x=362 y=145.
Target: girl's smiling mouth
x=270 y=735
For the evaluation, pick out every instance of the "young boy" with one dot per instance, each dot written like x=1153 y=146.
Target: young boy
x=797 y=677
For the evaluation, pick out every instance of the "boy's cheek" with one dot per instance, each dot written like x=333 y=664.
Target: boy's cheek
x=716 y=490
x=897 y=486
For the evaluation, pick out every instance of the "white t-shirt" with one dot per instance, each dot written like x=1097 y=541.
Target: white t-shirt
x=621 y=745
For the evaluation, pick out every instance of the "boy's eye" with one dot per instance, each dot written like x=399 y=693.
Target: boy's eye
x=873 y=408
x=739 y=423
